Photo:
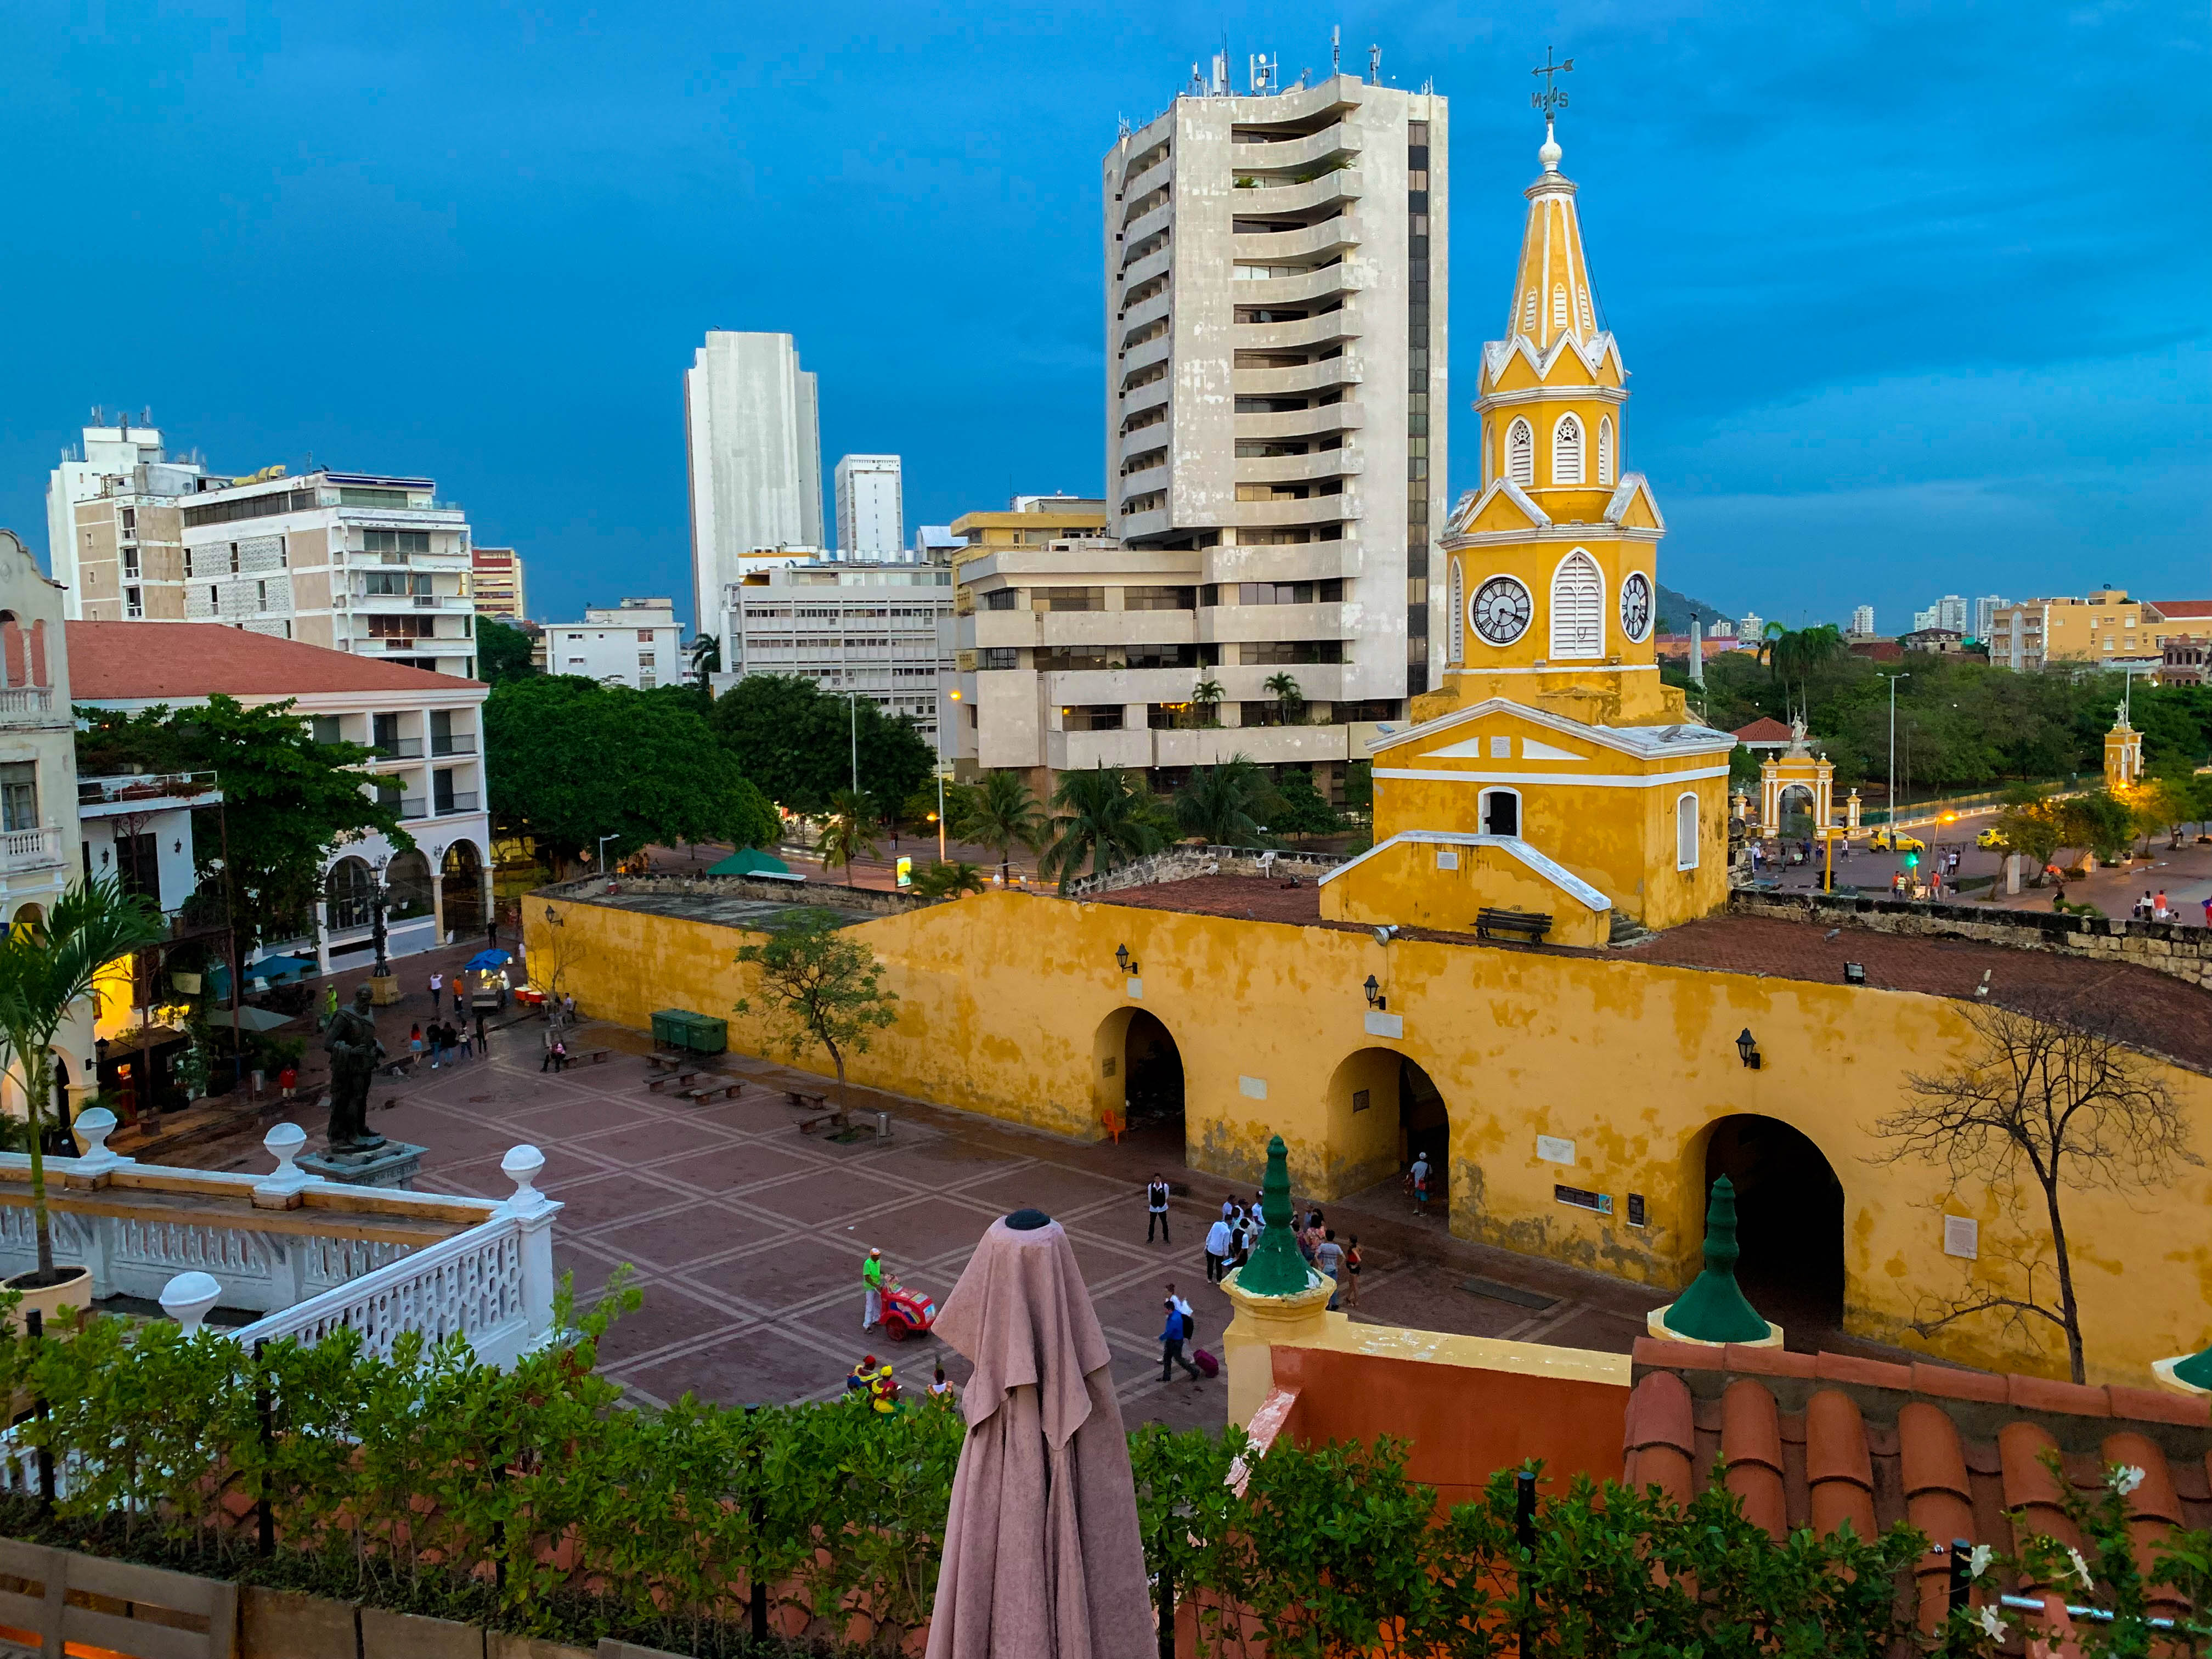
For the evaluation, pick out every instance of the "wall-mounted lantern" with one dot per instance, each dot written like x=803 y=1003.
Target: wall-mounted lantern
x=1748 y=1046
x=1375 y=997
x=1121 y=955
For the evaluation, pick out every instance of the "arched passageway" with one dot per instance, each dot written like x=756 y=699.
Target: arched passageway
x=460 y=881
x=1384 y=1112
x=1795 y=811
x=1790 y=1220
x=1152 y=1095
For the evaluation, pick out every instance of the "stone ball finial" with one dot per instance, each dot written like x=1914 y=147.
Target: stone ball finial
x=284 y=1142
x=94 y=1125
x=1550 y=154
x=188 y=1297
x=522 y=1165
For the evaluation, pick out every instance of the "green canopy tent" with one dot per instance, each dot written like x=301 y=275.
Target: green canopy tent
x=751 y=861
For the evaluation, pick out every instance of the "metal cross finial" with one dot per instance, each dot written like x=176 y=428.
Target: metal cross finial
x=1553 y=98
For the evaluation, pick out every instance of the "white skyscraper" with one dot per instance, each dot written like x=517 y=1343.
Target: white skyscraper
x=1862 y=620
x=871 y=508
x=753 y=433
x=1951 y=613
x=1985 y=616
x=124 y=460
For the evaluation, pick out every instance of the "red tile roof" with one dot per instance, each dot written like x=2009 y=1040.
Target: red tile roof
x=1812 y=1440
x=1765 y=729
x=2183 y=610
x=156 y=661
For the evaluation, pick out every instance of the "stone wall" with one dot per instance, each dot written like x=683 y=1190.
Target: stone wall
x=1182 y=863
x=828 y=894
x=2171 y=947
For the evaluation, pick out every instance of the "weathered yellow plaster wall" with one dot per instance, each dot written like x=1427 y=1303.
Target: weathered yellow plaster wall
x=1012 y=1002
x=1408 y=884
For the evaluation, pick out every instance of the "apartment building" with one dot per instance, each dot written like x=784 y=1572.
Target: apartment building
x=495 y=583
x=753 y=436
x=883 y=629
x=1277 y=337
x=426 y=730
x=637 y=643
x=1863 y=623
x=2106 y=626
x=871 y=508
x=129 y=466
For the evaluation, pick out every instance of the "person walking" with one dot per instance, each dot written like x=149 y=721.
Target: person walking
x=871 y=1290
x=415 y=1041
x=1156 y=1208
x=1328 y=1256
x=460 y=1000
x=1171 y=1330
x=288 y=1079
x=329 y=1005
x=1352 y=1273
x=1418 y=1175
x=437 y=985
x=1190 y=1314
x=1219 y=1238
x=434 y=1036
x=482 y=1047
x=2158 y=907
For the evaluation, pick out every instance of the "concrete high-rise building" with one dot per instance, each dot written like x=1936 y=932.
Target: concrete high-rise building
x=753 y=433
x=881 y=628
x=1277 y=267
x=495 y=583
x=637 y=643
x=1951 y=613
x=871 y=508
x=128 y=467
x=1985 y=616
x=1862 y=621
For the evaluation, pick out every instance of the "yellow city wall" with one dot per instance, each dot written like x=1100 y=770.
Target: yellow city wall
x=1012 y=1003
x=1404 y=885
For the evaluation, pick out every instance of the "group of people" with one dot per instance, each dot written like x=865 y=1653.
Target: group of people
x=873 y=1385
x=445 y=1042
x=2153 y=906
x=1237 y=1230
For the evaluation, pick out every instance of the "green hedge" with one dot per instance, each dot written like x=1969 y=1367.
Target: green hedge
x=533 y=1500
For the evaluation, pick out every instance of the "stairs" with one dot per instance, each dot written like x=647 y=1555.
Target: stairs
x=1627 y=932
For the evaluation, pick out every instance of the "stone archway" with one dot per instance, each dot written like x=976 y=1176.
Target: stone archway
x=1795 y=805
x=1384 y=1108
x=1137 y=1081
x=1790 y=1220
x=349 y=891
x=461 y=890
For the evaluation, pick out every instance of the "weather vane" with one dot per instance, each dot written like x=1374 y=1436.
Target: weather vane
x=1553 y=98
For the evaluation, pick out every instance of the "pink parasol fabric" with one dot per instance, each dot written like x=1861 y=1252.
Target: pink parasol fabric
x=1042 y=1559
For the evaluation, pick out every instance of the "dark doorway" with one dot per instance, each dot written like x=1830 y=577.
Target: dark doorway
x=1501 y=813
x=1424 y=1131
x=462 y=879
x=1789 y=1221
x=1153 y=1068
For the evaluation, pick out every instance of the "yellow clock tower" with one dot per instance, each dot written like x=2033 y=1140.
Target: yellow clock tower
x=1551 y=776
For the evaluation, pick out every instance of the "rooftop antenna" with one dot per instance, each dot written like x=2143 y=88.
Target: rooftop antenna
x=1335 y=51
x=1374 y=66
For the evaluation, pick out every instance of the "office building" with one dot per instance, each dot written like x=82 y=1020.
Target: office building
x=753 y=437
x=1276 y=340
x=127 y=464
x=935 y=544
x=870 y=509
x=1985 y=616
x=1750 y=626
x=1863 y=623
x=883 y=630
x=637 y=643
x=495 y=583
x=2106 y=626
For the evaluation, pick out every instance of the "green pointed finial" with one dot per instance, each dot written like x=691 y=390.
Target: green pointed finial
x=2197 y=1370
x=1713 y=1309
x=1276 y=1267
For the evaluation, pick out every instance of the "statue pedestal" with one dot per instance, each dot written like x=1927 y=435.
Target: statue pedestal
x=1300 y=1319
x=395 y=1163
x=384 y=989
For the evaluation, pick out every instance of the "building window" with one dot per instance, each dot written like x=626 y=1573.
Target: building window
x=1529 y=313
x=998 y=657
x=138 y=864
x=134 y=602
x=130 y=561
x=1686 y=831
x=1521 y=454
x=1578 y=608
x=395 y=541
x=1605 y=450
x=1567 y=451
x=1559 y=308
x=1500 y=811
x=1001 y=599
x=1160 y=598
x=19 y=796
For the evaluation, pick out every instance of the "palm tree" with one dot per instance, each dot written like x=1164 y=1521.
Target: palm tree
x=946 y=880
x=706 y=656
x=848 y=833
x=1000 y=813
x=1799 y=654
x=1289 y=694
x=1219 y=802
x=46 y=972
x=1105 y=820
x=1206 y=697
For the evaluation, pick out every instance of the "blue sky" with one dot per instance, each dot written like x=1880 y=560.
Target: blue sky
x=1918 y=297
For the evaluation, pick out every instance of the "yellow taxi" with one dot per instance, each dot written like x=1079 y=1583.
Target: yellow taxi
x=1990 y=837
x=1887 y=841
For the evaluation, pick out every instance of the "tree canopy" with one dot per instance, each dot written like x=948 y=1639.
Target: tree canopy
x=570 y=760
x=795 y=742
x=502 y=651
x=287 y=800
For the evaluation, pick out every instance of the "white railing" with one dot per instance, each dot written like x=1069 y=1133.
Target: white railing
x=27 y=849
x=23 y=701
x=492 y=1282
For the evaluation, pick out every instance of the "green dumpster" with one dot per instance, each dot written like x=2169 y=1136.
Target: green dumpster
x=686 y=1032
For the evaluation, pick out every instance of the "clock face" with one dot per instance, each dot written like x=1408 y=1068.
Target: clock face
x=1636 y=606
x=1500 y=611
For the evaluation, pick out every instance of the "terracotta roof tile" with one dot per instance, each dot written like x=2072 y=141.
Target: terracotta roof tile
x=1746 y=1361
x=2154 y=1499
x=115 y=662
x=2041 y=1394
x=1868 y=1373
x=2157 y=1406
x=1655 y=1351
x=1839 y=1468
x=1661 y=1438
x=2028 y=1485
x=1750 y=1448
x=1765 y=729
x=1950 y=1382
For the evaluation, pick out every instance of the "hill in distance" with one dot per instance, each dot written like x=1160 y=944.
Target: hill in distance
x=1678 y=610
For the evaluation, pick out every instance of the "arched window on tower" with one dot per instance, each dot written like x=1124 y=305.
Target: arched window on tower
x=1605 y=450
x=1560 y=307
x=1590 y=324
x=1686 y=831
x=1458 y=635
x=1578 y=608
x=1567 y=451
x=1521 y=454
x=1528 y=314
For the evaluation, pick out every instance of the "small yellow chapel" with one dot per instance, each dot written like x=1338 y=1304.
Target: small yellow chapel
x=1551 y=775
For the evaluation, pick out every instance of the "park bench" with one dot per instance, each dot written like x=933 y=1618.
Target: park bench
x=678 y=1078
x=729 y=1088
x=801 y=1097
x=1528 y=923
x=830 y=1119
x=664 y=1060
x=577 y=1057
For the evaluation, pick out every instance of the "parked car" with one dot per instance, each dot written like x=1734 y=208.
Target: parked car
x=1887 y=840
x=1990 y=837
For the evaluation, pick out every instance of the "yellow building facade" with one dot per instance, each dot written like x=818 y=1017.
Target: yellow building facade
x=1551 y=772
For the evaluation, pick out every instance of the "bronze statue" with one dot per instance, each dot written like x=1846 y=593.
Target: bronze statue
x=355 y=1051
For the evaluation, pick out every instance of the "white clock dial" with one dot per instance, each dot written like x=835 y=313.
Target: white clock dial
x=1636 y=606
x=1500 y=611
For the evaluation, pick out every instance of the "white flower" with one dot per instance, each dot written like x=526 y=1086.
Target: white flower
x=1992 y=1627
x=2125 y=1477
x=1977 y=1560
x=2080 y=1569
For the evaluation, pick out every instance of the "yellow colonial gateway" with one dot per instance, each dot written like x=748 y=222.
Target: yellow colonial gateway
x=1550 y=775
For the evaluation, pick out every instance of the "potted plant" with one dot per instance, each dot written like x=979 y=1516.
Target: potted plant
x=46 y=971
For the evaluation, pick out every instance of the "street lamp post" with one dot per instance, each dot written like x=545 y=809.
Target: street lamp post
x=1893 y=679
x=853 y=707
